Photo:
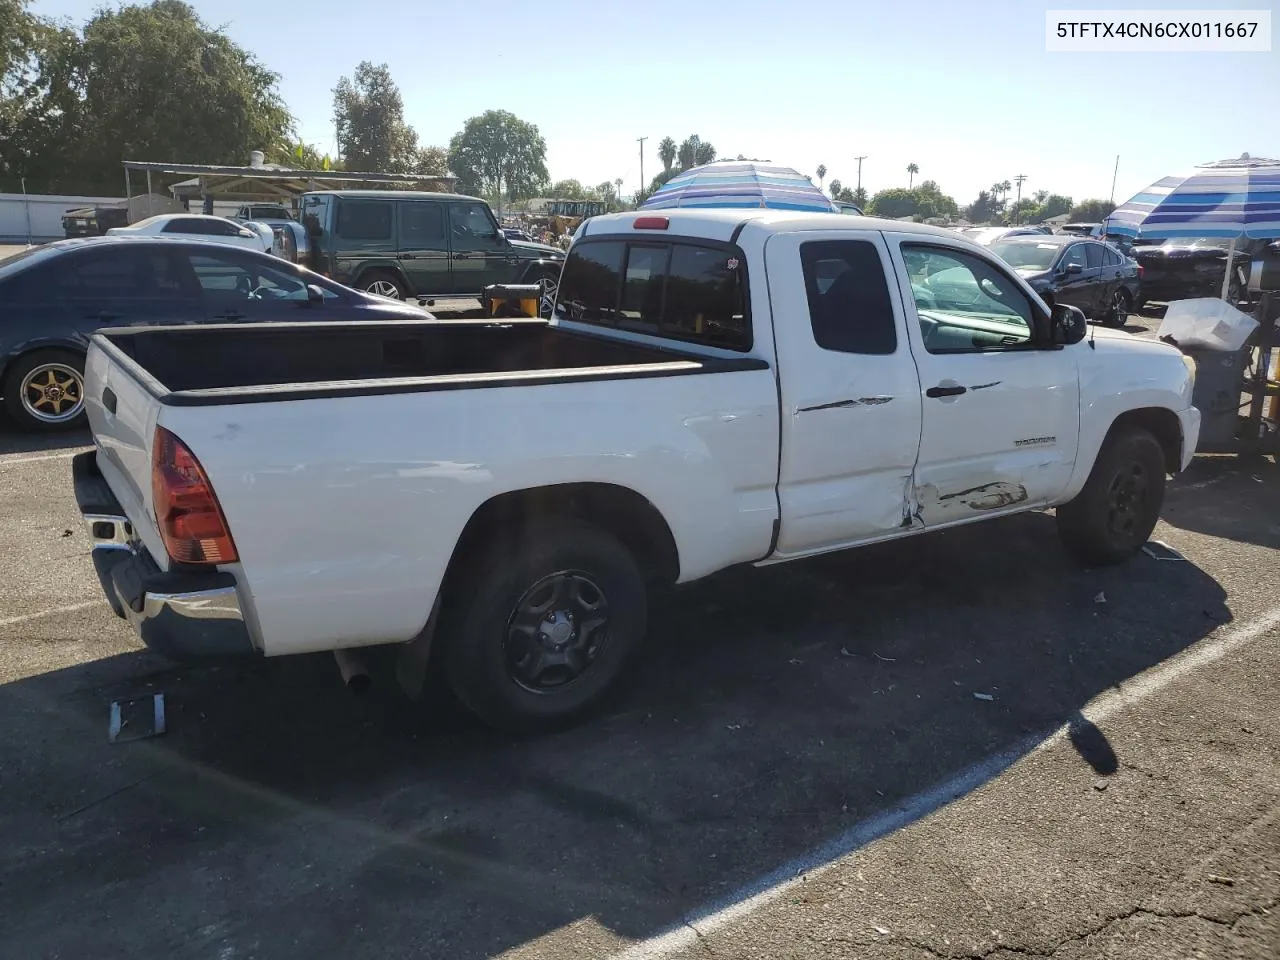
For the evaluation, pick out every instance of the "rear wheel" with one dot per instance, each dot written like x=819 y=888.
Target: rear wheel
x=1113 y=516
x=537 y=629
x=1118 y=311
x=383 y=283
x=45 y=391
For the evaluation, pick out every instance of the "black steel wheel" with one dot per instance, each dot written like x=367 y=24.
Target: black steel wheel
x=537 y=628
x=1113 y=516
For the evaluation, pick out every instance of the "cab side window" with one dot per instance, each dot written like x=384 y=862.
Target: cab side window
x=850 y=310
x=965 y=304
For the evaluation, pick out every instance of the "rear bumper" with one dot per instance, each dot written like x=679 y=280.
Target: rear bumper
x=180 y=614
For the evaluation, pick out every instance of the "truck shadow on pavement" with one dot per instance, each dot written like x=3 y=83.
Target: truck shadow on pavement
x=1207 y=500
x=13 y=440
x=772 y=711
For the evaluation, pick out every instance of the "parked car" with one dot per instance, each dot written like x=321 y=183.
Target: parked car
x=1185 y=269
x=420 y=245
x=716 y=387
x=989 y=235
x=1095 y=277
x=53 y=297
x=515 y=233
x=202 y=226
x=270 y=213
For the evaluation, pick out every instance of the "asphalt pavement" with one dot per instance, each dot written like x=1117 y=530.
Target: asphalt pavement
x=960 y=745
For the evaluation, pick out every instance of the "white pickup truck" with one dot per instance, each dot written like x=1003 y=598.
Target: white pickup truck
x=716 y=387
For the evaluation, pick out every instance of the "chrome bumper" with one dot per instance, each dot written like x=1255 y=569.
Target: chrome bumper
x=180 y=614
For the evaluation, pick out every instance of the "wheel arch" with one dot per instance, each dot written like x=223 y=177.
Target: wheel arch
x=623 y=512
x=1162 y=423
x=540 y=268
x=381 y=266
x=10 y=357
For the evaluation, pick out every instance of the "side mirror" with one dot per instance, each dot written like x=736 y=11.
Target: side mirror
x=314 y=294
x=1067 y=325
x=1072 y=269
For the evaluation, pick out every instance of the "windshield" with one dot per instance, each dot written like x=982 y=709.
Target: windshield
x=1027 y=255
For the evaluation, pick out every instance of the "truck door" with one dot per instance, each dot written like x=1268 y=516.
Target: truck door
x=423 y=249
x=850 y=396
x=1001 y=417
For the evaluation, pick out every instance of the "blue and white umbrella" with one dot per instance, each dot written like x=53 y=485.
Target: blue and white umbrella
x=1231 y=199
x=740 y=184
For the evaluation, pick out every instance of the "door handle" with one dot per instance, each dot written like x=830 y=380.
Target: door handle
x=109 y=400
x=941 y=391
x=462 y=256
x=408 y=256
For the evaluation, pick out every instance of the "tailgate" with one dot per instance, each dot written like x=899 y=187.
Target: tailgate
x=122 y=416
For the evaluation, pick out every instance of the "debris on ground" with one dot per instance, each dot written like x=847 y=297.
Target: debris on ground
x=881 y=930
x=1159 y=550
x=844 y=652
x=1225 y=881
x=1100 y=785
x=1100 y=598
x=983 y=696
x=885 y=659
x=136 y=718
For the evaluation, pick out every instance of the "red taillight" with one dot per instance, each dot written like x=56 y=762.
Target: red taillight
x=1140 y=271
x=651 y=223
x=191 y=522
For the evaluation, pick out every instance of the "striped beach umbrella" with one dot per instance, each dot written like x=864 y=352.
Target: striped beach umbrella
x=1232 y=199
x=740 y=184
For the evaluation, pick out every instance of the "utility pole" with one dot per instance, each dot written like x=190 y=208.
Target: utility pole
x=641 y=141
x=860 y=159
x=1018 y=199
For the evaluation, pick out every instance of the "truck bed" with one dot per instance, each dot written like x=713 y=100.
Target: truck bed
x=244 y=363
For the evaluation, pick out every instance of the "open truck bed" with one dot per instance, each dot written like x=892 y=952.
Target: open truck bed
x=243 y=363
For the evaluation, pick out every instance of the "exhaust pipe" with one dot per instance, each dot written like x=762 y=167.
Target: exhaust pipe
x=354 y=673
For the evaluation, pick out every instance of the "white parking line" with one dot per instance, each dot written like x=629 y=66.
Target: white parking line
x=52 y=612
x=765 y=890
x=64 y=455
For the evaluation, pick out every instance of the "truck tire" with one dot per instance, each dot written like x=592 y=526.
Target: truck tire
x=1113 y=516
x=44 y=390
x=383 y=283
x=538 y=628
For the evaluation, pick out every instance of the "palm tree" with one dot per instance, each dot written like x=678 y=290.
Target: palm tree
x=822 y=174
x=667 y=152
x=617 y=194
x=912 y=170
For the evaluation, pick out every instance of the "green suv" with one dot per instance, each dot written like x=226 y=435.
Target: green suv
x=420 y=245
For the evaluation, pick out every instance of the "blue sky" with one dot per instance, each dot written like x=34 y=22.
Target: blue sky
x=966 y=92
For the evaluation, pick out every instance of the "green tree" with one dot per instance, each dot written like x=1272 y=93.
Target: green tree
x=432 y=161
x=822 y=174
x=41 y=83
x=912 y=170
x=159 y=84
x=894 y=202
x=932 y=202
x=568 y=190
x=694 y=152
x=858 y=196
x=1092 y=211
x=499 y=154
x=667 y=152
x=983 y=210
x=369 y=114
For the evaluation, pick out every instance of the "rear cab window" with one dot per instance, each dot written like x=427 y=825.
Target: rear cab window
x=689 y=290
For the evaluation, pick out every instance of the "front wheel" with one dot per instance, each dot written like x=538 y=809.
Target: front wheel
x=537 y=629
x=45 y=391
x=1113 y=516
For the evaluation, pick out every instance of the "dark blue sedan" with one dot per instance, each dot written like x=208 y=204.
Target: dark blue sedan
x=53 y=297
